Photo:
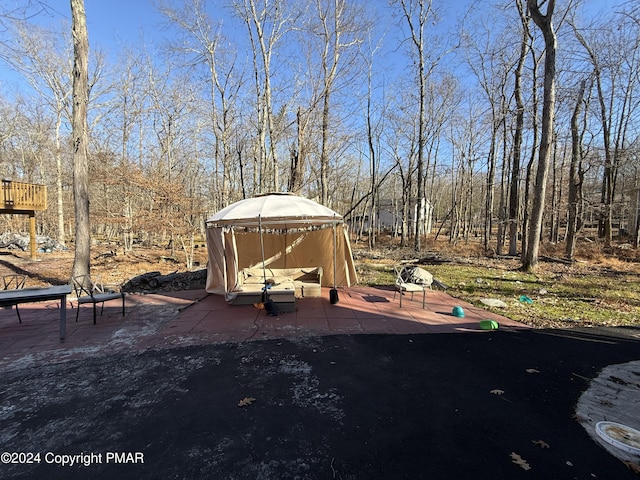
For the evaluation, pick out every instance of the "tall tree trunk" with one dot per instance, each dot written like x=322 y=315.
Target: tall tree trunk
x=266 y=51
x=558 y=191
x=298 y=158
x=59 y=195
x=606 y=193
x=502 y=204
x=545 y=25
x=575 y=177
x=324 y=152
x=373 y=173
x=489 y=194
x=421 y=144
x=334 y=22
x=81 y=261
x=514 y=185
x=636 y=229
x=553 y=197
x=532 y=156
x=264 y=29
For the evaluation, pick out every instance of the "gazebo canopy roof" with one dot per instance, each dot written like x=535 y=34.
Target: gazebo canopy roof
x=275 y=210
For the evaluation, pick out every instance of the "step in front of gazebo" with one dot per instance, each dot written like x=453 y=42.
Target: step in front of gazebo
x=285 y=300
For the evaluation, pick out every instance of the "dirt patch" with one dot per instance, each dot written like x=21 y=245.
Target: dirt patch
x=113 y=266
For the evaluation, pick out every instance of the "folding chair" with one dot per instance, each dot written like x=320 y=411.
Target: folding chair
x=93 y=291
x=403 y=286
x=14 y=282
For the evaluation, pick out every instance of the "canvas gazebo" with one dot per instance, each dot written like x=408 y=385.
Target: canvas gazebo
x=277 y=231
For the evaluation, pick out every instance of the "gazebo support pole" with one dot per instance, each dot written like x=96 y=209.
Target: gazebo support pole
x=264 y=268
x=333 y=294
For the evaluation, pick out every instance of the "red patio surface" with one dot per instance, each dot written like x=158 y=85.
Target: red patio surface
x=194 y=318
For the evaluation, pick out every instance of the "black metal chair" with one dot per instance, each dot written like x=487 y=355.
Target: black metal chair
x=92 y=291
x=14 y=282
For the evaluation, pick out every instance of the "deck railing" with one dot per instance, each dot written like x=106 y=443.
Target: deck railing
x=19 y=196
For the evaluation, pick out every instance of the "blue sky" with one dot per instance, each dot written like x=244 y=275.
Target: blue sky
x=109 y=22
x=112 y=23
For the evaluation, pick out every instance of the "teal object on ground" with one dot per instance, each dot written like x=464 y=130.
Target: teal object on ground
x=525 y=299
x=489 y=325
x=458 y=312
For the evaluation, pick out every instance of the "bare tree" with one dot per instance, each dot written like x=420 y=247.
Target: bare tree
x=576 y=176
x=607 y=191
x=123 y=119
x=374 y=131
x=465 y=138
x=492 y=62
x=298 y=153
x=615 y=58
x=266 y=22
x=545 y=24
x=17 y=11
x=535 y=132
x=200 y=44
x=514 y=185
x=339 y=30
x=82 y=260
x=40 y=58
x=417 y=14
x=403 y=144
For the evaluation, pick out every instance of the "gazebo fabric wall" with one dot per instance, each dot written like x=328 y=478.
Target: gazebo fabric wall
x=223 y=259
x=230 y=251
x=300 y=249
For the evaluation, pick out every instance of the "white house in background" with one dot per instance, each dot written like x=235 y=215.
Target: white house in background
x=388 y=217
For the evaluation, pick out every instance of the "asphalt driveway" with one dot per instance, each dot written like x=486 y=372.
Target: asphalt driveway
x=433 y=406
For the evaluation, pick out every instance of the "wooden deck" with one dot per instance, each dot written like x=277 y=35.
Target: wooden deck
x=22 y=198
